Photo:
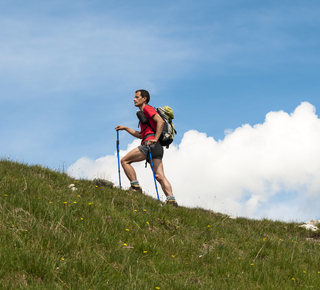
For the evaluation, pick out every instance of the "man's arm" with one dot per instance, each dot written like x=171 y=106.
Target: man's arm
x=132 y=132
x=160 y=124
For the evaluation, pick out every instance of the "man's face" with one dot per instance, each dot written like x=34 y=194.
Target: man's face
x=138 y=100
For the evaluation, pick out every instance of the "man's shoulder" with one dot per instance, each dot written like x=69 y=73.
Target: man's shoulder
x=149 y=109
x=149 y=112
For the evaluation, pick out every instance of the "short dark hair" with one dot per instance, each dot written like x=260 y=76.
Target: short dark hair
x=144 y=94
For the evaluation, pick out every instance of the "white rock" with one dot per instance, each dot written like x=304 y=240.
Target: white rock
x=309 y=227
x=313 y=222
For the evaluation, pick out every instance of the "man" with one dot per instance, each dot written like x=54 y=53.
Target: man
x=150 y=137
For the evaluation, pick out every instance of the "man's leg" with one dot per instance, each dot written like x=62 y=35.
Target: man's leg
x=165 y=184
x=159 y=173
x=134 y=155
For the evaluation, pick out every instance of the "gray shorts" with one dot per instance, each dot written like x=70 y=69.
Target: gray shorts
x=156 y=150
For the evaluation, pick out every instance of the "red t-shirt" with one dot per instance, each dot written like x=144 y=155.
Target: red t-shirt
x=149 y=112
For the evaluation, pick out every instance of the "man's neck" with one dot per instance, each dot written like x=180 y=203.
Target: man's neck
x=142 y=106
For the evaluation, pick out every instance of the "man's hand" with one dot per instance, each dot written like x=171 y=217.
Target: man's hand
x=134 y=133
x=150 y=142
x=119 y=127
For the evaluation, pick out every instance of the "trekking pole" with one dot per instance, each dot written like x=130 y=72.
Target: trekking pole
x=154 y=176
x=118 y=157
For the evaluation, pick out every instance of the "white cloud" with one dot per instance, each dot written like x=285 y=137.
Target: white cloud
x=242 y=174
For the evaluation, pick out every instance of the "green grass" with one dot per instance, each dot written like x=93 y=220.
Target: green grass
x=103 y=238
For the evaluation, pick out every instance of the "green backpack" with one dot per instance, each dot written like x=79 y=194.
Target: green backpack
x=168 y=131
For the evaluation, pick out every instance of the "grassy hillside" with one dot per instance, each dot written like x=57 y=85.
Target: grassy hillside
x=101 y=238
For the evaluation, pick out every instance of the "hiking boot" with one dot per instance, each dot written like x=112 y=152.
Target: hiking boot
x=173 y=202
x=136 y=188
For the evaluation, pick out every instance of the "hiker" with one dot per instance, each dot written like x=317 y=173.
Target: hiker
x=149 y=138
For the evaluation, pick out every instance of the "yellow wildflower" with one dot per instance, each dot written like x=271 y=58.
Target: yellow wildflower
x=125 y=245
x=147 y=223
x=127 y=230
x=145 y=252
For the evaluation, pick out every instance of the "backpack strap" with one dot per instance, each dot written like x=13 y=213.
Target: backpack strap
x=144 y=120
x=148 y=135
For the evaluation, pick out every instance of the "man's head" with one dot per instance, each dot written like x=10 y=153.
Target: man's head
x=144 y=94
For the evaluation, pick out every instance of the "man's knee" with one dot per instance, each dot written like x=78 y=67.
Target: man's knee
x=159 y=177
x=123 y=161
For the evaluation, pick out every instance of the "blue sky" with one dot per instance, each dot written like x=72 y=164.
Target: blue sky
x=69 y=69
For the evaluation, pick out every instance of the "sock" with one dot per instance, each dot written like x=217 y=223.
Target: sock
x=135 y=182
x=171 y=197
